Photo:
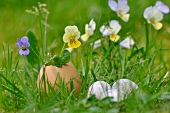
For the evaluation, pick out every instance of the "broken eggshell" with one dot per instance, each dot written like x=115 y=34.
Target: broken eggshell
x=99 y=89
x=53 y=74
x=121 y=88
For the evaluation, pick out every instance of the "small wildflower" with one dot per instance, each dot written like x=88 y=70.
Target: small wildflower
x=71 y=36
x=121 y=8
x=153 y=16
x=112 y=30
x=23 y=44
x=162 y=7
x=127 y=42
x=99 y=89
x=96 y=44
x=89 y=30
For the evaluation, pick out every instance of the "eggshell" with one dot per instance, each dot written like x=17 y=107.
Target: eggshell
x=99 y=89
x=66 y=73
x=121 y=88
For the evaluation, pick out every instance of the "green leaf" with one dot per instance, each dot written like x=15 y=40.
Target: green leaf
x=65 y=56
x=32 y=57
x=57 y=61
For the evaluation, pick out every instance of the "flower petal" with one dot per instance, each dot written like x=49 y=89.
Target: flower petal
x=25 y=42
x=127 y=42
x=66 y=37
x=157 y=25
x=24 y=52
x=148 y=13
x=85 y=37
x=162 y=7
x=19 y=43
x=114 y=37
x=116 y=27
x=96 y=44
x=113 y=5
x=102 y=28
x=75 y=44
x=124 y=17
x=92 y=24
x=158 y=16
x=71 y=29
x=123 y=8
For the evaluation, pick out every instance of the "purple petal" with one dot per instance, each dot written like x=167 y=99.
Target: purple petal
x=123 y=6
x=25 y=41
x=113 y=5
x=19 y=43
x=122 y=1
x=24 y=52
x=162 y=7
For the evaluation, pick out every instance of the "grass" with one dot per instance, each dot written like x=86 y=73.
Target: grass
x=146 y=63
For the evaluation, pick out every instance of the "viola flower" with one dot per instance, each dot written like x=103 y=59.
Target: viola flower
x=162 y=7
x=89 y=30
x=127 y=42
x=71 y=36
x=23 y=44
x=153 y=16
x=121 y=8
x=96 y=44
x=112 y=30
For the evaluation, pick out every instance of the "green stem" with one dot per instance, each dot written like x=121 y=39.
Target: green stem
x=62 y=49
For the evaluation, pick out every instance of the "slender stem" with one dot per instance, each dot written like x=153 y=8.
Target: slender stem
x=62 y=49
x=45 y=35
x=147 y=35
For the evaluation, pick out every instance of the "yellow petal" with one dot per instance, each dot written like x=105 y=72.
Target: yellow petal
x=157 y=25
x=85 y=37
x=74 y=44
x=114 y=37
x=124 y=17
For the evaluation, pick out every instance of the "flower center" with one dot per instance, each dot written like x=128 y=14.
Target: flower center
x=24 y=47
x=72 y=41
x=152 y=22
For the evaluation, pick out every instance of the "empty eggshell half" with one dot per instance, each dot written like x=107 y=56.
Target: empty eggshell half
x=54 y=75
x=121 y=88
x=99 y=89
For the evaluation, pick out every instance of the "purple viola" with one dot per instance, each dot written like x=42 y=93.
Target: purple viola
x=23 y=44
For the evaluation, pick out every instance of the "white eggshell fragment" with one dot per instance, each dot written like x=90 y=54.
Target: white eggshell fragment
x=99 y=89
x=121 y=88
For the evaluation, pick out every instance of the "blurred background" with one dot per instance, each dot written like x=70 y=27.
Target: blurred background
x=15 y=22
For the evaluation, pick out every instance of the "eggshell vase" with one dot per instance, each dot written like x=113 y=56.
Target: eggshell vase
x=54 y=75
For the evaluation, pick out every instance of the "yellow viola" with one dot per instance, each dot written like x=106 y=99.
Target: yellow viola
x=71 y=36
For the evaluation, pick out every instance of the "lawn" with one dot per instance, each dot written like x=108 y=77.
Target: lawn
x=146 y=63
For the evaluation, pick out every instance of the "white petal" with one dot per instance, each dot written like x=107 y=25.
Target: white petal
x=96 y=44
x=107 y=32
x=157 y=15
x=66 y=37
x=162 y=7
x=71 y=29
x=123 y=8
x=148 y=12
x=126 y=43
x=113 y=5
x=99 y=89
x=116 y=27
x=102 y=28
x=92 y=24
